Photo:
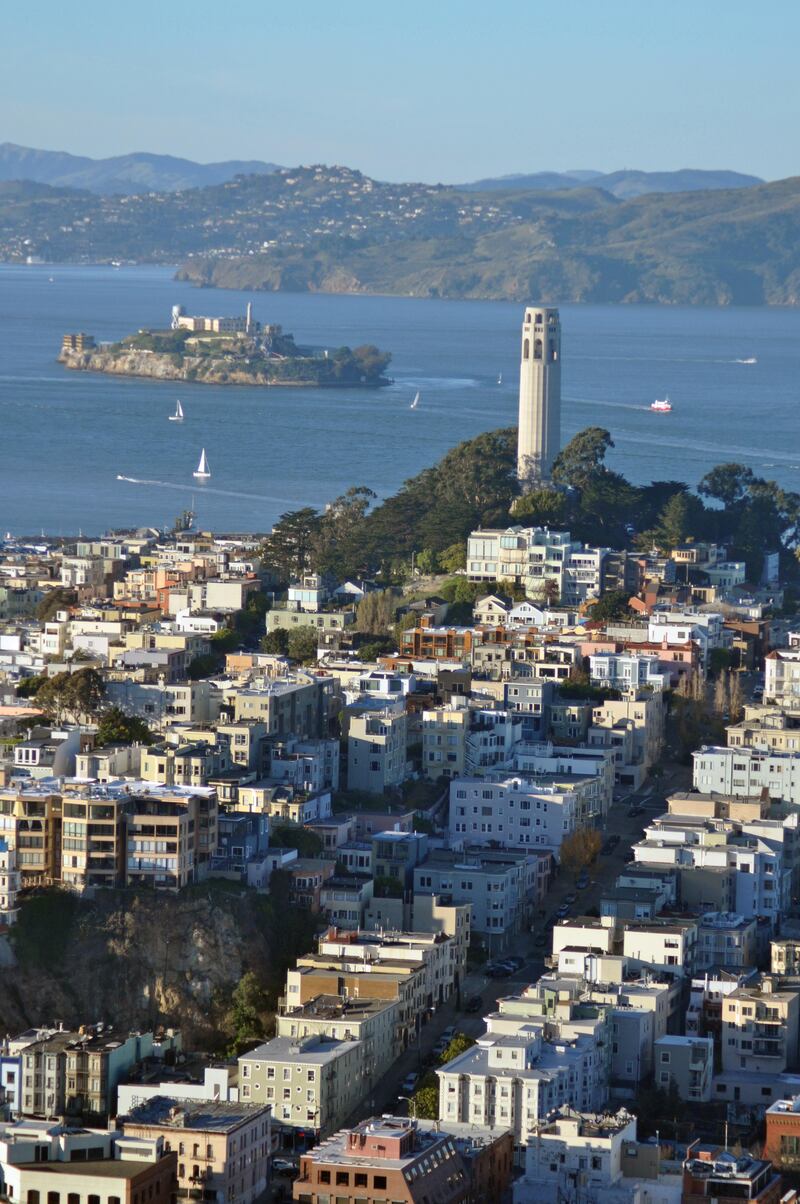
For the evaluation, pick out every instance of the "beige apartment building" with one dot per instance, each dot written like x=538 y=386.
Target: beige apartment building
x=376 y=748
x=760 y=1028
x=285 y=707
x=169 y=838
x=767 y=728
x=30 y=821
x=444 y=741
x=92 y=836
x=223 y=1149
x=183 y=764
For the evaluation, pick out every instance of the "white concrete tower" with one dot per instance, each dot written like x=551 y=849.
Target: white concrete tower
x=539 y=438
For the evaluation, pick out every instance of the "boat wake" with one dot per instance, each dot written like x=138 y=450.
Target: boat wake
x=254 y=497
x=750 y=360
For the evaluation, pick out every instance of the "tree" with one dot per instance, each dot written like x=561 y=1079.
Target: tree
x=425 y=1104
x=276 y=642
x=249 y=1005
x=580 y=849
x=115 y=727
x=427 y=562
x=287 y=550
x=73 y=696
x=719 y=660
x=372 y=649
x=337 y=544
x=303 y=644
x=582 y=458
x=727 y=483
x=613 y=604
x=459 y=1044
x=680 y=519
x=735 y=699
x=721 y=694
x=375 y=612
x=293 y=836
x=29 y=685
x=541 y=508
x=453 y=558
x=57 y=599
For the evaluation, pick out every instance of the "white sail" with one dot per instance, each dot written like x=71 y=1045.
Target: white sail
x=500 y=378
x=415 y=402
x=178 y=415
x=203 y=469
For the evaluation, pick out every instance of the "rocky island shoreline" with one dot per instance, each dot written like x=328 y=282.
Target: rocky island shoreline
x=226 y=351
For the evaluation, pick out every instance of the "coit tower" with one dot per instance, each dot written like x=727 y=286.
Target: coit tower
x=539 y=438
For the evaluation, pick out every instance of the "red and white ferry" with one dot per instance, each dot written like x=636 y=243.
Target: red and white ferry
x=661 y=407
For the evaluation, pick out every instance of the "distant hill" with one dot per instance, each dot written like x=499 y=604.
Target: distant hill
x=122 y=174
x=333 y=229
x=623 y=184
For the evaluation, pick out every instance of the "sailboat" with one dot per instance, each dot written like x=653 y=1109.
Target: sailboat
x=415 y=402
x=202 y=472
x=178 y=415
x=500 y=378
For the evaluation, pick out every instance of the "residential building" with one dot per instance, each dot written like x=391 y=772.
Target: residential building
x=502 y=887
x=77 y=1073
x=715 y=1174
x=627 y=671
x=288 y=707
x=395 y=1158
x=183 y=763
x=371 y=1022
x=539 y=561
x=376 y=747
x=782 y=1139
x=171 y=836
x=444 y=741
x=633 y=728
x=312 y=1083
x=760 y=1028
x=746 y=772
x=9 y=884
x=307 y=877
x=51 y=1161
x=782 y=676
x=223 y=1148
x=686 y=1062
x=725 y=939
x=512 y=812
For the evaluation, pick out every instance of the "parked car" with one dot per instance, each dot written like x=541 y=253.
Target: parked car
x=515 y=962
x=563 y=910
x=282 y=1166
x=409 y=1084
x=570 y=898
x=499 y=971
x=583 y=881
x=474 y=1004
x=448 y=1034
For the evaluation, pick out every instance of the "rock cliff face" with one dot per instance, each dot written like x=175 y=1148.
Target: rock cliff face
x=200 y=369
x=137 y=960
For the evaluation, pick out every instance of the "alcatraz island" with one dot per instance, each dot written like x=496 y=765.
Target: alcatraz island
x=226 y=351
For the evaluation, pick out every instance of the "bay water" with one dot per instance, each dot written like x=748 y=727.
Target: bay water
x=65 y=437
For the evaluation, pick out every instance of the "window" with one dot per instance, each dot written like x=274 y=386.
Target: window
x=360 y=1179
x=324 y=1176
x=342 y=1178
x=379 y=1182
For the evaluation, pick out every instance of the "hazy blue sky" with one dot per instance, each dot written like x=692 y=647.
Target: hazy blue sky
x=433 y=90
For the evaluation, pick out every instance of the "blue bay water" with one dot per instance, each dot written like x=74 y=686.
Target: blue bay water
x=64 y=436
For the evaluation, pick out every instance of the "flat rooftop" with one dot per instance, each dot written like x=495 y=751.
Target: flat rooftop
x=163 y=1111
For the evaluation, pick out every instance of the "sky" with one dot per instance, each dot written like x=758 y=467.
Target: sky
x=440 y=90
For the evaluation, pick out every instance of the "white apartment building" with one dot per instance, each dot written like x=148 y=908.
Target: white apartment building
x=782 y=676
x=500 y=886
x=745 y=772
x=9 y=884
x=633 y=728
x=514 y=812
x=762 y=882
x=513 y=1076
x=578 y=1156
x=627 y=671
x=592 y=767
x=681 y=626
x=163 y=704
x=688 y=1062
x=533 y=556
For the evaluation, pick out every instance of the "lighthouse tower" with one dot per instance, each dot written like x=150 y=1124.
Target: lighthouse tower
x=539 y=437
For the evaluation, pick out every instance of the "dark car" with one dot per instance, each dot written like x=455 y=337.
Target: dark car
x=499 y=971
x=515 y=962
x=582 y=882
x=474 y=1003
x=636 y=810
x=570 y=898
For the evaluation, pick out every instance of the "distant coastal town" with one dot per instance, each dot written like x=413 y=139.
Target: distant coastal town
x=442 y=848
x=226 y=351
